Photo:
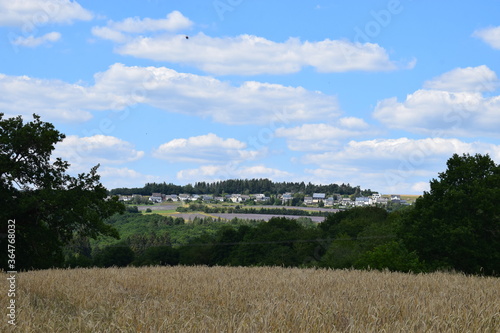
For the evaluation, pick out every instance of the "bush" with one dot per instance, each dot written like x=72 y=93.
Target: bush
x=393 y=256
x=159 y=255
x=114 y=255
x=132 y=209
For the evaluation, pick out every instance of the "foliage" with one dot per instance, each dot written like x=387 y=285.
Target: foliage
x=158 y=256
x=262 y=210
x=392 y=256
x=119 y=255
x=132 y=209
x=457 y=224
x=49 y=207
x=233 y=186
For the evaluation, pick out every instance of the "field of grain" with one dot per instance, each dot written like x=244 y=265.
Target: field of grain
x=230 y=299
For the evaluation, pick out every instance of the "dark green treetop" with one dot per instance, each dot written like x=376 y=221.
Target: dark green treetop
x=457 y=223
x=49 y=206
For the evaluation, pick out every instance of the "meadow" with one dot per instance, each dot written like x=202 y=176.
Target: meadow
x=251 y=299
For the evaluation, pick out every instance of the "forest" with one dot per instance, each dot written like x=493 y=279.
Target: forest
x=242 y=186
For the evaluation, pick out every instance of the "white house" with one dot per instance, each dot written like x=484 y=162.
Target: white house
x=184 y=197
x=382 y=201
x=286 y=197
x=156 y=197
x=362 y=201
x=395 y=197
x=347 y=202
x=236 y=198
x=317 y=197
x=172 y=197
x=329 y=201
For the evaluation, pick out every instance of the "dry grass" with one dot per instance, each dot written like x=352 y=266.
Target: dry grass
x=225 y=299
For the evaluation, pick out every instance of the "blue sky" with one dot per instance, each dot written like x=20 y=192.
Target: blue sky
x=372 y=93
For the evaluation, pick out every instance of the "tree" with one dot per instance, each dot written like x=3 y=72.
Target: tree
x=49 y=207
x=457 y=224
x=114 y=255
x=392 y=256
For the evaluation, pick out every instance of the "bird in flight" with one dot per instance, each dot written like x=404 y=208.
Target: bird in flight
x=187 y=37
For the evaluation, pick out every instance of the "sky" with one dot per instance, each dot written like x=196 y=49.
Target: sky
x=378 y=94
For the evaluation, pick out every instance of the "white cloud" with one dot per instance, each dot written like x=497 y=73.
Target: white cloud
x=30 y=14
x=117 y=31
x=231 y=171
x=249 y=54
x=420 y=187
x=112 y=177
x=353 y=123
x=32 y=41
x=173 y=22
x=121 y=86
x=415 y=151
x=205 y=149
x=471 y=79
x=309 y=137
x=82 y=152
x=490 y=36
x=462 y=111
x=392 y=165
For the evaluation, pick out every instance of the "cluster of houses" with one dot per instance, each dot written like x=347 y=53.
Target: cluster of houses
x=286 y=198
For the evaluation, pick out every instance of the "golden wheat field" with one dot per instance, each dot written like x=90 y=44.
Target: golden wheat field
x=267 y=299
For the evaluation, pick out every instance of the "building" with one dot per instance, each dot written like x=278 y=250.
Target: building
x=317 y=197
x=362 y=201
x=172 y=197
x=184 y=197
x=156 y=197
x=286 y=198
x=347 y=202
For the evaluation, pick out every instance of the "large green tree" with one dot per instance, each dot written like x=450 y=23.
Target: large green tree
x=457 y=223
x=49 y=206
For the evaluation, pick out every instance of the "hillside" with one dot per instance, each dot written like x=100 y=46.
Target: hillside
x=259 y=299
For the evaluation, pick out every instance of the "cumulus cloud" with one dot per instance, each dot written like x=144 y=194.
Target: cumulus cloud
x=113 y=177
x=392 y=165
x=251 y=55
x=416 y=151
x=322 y=136
x=208 y=148
x=32 y=41
x=120 y=87
x=120 y=31
x=448 y=107
x=468 y=79
x=231 y=171
x=243 y=54
x=490 y=36
x=83 y=152
x=30 y=14
x=353 y=123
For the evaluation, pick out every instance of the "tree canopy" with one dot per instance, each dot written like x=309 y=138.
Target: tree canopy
x=457 y=224
x=49 y=206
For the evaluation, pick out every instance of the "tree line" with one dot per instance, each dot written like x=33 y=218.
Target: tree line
x=242 y=186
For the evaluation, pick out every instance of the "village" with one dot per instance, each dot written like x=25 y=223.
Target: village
x=285 y=199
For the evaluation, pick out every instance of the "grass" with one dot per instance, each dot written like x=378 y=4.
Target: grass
x=263 y=299
x=170 y=212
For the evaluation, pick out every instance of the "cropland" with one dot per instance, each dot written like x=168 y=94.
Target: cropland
x=251 y=299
